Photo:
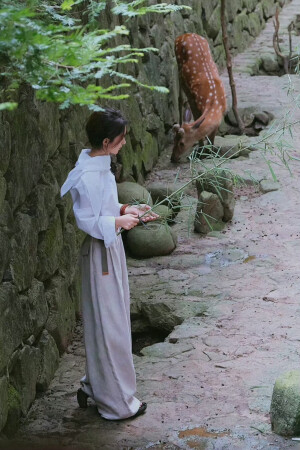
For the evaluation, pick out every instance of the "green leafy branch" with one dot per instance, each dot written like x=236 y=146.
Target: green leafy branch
x=47 y=46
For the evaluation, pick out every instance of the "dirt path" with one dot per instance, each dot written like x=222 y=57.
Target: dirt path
x=209 y=385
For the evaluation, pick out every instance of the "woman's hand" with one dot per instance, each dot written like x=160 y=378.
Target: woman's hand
x=139 y=210
x=127 y=221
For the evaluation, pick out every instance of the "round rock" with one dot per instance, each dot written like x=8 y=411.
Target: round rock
x=129 y=192
x=153 y=239
x=285 y=405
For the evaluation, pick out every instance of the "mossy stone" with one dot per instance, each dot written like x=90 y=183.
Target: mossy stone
x=69 y=254
x=240 y=23
x=149 y=153
x=232 y=146
x=13 y=322
x=209 y=214
x=3 y=401
x=160 y=191
x=127 y=158
x=49 y=248
x=41 y=204
x=269 y=8
x=5 y=139
x=270 y=63
x=61 y=319
x=212 y=24
x=4 y=251
x=219 y=183
x=24 y=375
x=254 y=25
x=129 y=192
x=48 y=362
x=285 y=404
x=152 y=239
x=2 y=190
x=14 y=411
x=165 y=213
x=24 y=251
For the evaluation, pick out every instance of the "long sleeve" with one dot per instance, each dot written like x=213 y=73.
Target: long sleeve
x=95 y=205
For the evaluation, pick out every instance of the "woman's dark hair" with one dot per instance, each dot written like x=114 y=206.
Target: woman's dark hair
x=104 y=124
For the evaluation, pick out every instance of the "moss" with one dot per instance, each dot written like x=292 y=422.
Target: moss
x=149 y=152
x=14 y=398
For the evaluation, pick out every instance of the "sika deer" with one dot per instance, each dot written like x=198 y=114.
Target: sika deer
x=200 y=80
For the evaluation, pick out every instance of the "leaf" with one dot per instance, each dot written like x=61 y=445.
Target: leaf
x=67 y=5
x=8 y=106
x=272 y=171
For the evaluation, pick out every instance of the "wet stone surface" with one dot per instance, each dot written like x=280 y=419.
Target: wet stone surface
x=229 y=304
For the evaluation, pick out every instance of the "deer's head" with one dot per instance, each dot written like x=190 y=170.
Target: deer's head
x=185 y=137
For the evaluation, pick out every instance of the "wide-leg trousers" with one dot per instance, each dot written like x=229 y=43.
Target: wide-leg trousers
x=110 y=375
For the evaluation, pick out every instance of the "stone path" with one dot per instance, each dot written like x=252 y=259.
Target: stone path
x=248 y=61
x=235 y=298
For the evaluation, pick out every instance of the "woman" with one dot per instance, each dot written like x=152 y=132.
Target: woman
x=110 y=376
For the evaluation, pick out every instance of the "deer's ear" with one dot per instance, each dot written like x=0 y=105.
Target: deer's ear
x=175 y=127
x=187 y=116
x=198 y=123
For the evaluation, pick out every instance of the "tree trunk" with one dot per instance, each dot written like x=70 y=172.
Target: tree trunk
x=229 y=69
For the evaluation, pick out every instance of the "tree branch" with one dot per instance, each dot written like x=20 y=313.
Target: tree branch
x=229 y=69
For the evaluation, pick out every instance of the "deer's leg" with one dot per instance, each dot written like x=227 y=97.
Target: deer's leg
x=180 y=101
x=210 y=141
x=212 y=136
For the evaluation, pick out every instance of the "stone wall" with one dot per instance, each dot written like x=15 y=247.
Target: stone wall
x=39 y=242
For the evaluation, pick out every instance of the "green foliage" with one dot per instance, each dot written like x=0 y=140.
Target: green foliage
x=137 y=8
x=14 y=398
x=64 y=58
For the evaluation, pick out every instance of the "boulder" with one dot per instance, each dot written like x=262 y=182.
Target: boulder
x=268 y=186
x=41 y=203
x=232 y=146
x=75 y=290
x=6 y=218
x=149 y=153
x=5 y=139
x=269 y=8
x=166 y=350
x=159 y=192
x=219 y=182
x=2 y=190
x=14 y=411
x=24 y=250
x=35 y=308
x=69 y=255
x=253 y=25
x=129 y=192
x=165 y=214
x=13 y=322
x=269 y=64
x=247 y=116
x=4 y=251
x=24 y=375
x=264 y=117
x=285 y=404
x=3 y=401
x=152 y=239
x=61 y=320
x=209 y=213
x=48 y=362
x=50 y=248
x=27 y=155
x=164 y=312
